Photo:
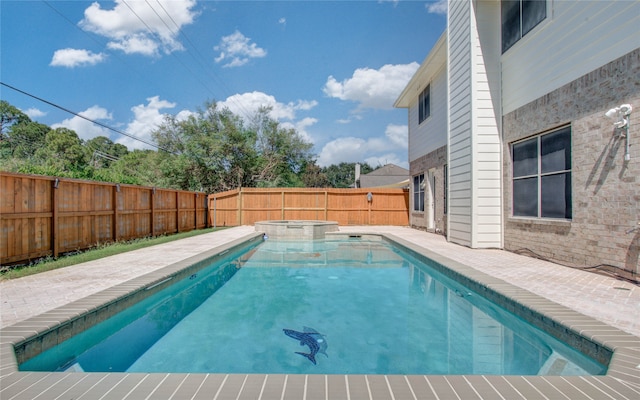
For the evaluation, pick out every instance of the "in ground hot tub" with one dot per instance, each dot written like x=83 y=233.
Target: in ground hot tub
x=296 y=229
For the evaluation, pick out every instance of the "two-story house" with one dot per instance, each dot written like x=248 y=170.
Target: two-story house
x=523 y=130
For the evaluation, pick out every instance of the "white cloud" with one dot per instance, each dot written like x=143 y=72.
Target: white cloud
x=372 y=88
x=437 y=7
x=374 y=150
x=34 y=113
x=140 y=26
x=398 y=135
x=146 y=119
x=388 y=158
x=248 y=104
x=301 y=127
x=86 y=129
x=282 y=21
x=237 y=49
x=71 y=58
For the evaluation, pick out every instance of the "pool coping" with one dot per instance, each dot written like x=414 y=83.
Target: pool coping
x=622 y=380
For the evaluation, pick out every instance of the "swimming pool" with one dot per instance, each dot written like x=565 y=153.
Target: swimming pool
x=372 y=308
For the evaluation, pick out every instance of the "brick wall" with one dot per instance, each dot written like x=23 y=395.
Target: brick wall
x=605 y=187
x=436 y=159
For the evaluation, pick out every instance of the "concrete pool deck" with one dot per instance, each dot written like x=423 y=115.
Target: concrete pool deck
x=613 y=303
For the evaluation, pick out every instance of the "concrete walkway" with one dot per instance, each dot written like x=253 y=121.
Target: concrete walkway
x=611 y=301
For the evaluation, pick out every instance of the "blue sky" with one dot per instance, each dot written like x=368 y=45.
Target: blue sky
x=330 y=69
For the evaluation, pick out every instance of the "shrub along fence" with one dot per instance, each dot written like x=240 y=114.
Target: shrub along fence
x=46 y=216
x=346 y=206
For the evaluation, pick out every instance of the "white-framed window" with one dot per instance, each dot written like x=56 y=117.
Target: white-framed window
x=519 y=17
x=542 y=175
x=424 y=104
x=418 y=192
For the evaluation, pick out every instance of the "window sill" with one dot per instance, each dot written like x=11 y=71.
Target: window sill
x=540 y=221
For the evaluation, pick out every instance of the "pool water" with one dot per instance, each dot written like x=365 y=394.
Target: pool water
x=355 y=306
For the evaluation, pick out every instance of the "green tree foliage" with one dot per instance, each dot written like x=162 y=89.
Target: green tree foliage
x=104 y=152
x=313 y=176
x=26 y=137
x=63 y=150
x=10 y=115
x=217 y=152
x=343 y=175
x=211 y=150
x=283 y=153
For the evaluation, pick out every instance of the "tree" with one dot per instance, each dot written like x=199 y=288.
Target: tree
x=104 y=152
x=343 y=175
x=283 y=152
x=26 y=137
x=314 y=177
x=63 y=150
x=139 y=167
x=10 y=115
x=214 y=151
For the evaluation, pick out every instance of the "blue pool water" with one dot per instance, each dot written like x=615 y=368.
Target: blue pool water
x=348 y=307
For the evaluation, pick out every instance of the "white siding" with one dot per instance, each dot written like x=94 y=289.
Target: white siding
x=432 y=133
x=475 y=191
x=576 y=38
x=487 y=159
x=459 y=143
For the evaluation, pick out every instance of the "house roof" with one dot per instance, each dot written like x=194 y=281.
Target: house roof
x=435 y=60
x=390 y=175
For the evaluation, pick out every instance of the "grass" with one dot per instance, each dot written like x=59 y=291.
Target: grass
x=100 y=251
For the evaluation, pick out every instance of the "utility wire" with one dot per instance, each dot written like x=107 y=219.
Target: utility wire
x=87 y=119
x=202 y=60
x=157 y=36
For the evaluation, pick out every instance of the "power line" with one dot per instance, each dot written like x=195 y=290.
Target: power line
x=87 y=119
x=202 y=60
x=199 y=59
x=157 y=36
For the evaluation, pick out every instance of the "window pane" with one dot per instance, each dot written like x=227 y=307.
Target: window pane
x=525 y=197
x=556 y=196
x=533 y=12
x=424 y=105
x=555 y=150
x=418 y=193
x=525 y=158
x=510 y=23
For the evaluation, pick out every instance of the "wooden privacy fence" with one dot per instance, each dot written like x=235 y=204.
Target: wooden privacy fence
x=346 y=206
x=42 y=216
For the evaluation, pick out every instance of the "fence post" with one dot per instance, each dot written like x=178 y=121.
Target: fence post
x=369 y=202
x=282 y=206
x=55 y=247
x=240 y=206
x=195 y=212
x=326 y=205
x=153 y=211
x=177 y=211
x=114 y=201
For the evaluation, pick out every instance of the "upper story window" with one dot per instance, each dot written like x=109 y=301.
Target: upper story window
x=542 y=176
x=519 y=17
x=424 y=104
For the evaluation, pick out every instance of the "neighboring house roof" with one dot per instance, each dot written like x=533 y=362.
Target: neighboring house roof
x=390 y=175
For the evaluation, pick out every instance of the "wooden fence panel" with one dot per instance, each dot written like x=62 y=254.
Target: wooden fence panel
x=346 y=206
x=224 y=209
x=41 y=216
